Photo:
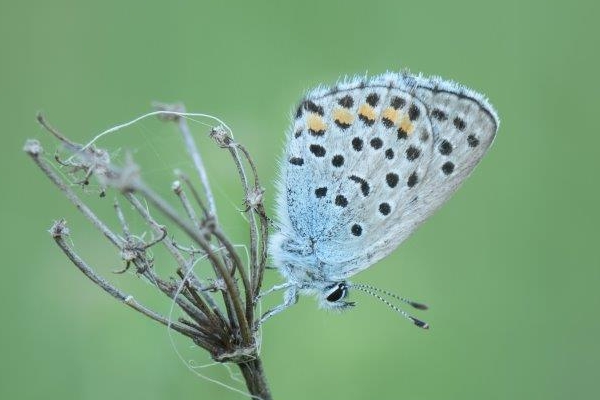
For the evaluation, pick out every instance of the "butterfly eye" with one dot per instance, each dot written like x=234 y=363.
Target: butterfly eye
x=338 y=293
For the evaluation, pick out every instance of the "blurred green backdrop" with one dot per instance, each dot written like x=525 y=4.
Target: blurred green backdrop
x=509 y=266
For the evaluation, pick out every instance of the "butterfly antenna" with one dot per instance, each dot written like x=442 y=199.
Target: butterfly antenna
x=415 y=304
x=370 y=291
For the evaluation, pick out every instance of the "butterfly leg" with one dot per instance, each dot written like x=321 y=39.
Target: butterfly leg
x=289 y=299
x=273 y=289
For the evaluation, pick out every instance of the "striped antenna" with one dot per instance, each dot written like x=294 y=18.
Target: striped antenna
x=372 y=291
x=417 y=305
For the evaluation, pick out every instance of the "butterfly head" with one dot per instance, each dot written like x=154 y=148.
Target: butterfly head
x=333 y=296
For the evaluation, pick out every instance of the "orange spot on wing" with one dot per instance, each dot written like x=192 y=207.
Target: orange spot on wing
x=406 y=125
x=343 y=116
x=316 y=123
x=367 y=111
x=391 y=114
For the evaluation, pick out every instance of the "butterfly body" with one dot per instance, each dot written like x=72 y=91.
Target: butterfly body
x=366 y=162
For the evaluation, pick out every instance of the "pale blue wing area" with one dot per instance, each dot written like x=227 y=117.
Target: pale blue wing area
x=366 y=163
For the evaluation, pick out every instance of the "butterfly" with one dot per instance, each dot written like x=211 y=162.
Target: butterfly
x=366 y=162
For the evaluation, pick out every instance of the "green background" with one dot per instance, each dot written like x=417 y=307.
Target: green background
x=509 y=266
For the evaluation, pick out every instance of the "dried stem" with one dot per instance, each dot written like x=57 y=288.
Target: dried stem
x=34 y=149
x=227 y=332
x=192 y=149
x=42 y=120
x=212 y=310
x=189 y=210
x=185 y=178
x=254 y=204
x=59 y=231
x=232 y=289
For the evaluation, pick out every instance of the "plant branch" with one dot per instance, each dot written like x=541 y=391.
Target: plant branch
x=211 y=310
x=254 y=203
x=193 y=233
x=34 y=149
x=59 y=231
x=226 y=331
x=192 y=149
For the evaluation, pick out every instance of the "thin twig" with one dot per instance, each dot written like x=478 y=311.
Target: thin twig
x=253 y=200
x=193 y=233
x=232 y=289
x=250 y=162
x=222 y=138
x=215 y=316
x=189 y=210
x=206 y=226
x=121 y=218
x=195 y=154
x=237 y=261
x=195 y=193
x=264 y=221
x=59 y=231
x=192 y=149
x=34 y=149
x=42 y=120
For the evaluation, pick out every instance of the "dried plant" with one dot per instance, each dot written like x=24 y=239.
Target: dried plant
x=227 y=329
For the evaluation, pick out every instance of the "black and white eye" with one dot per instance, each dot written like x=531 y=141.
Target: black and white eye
x=338 y=292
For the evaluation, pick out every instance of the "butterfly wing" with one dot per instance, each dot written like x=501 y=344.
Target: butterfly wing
x=464 y=127
x=367 y=162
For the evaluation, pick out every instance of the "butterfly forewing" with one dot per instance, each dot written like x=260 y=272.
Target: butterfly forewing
x=366 y=162
x=464 y=126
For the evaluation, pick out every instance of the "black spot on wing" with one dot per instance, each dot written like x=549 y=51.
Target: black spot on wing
x=346 y=101
x=384 y=208
x=445 y=148
x=321 y=192
x=376 y=143
x=439 y=114
x=364 y=185
x=413 y=112
x=397 y=102
x=460 y=124
x=388 y=123
x=402 y=134
x=314 y=108
x=342 y=125
x=473 y=141
x=356 y=230
x=413 y=179
x=337 y=160
x=412 y=153
x=392 y=179
x=319 y=132
x=373 y=99
x=448 y=168
x=297 y=161
x=341 y=201
x=317 y=150
x=366 y=120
